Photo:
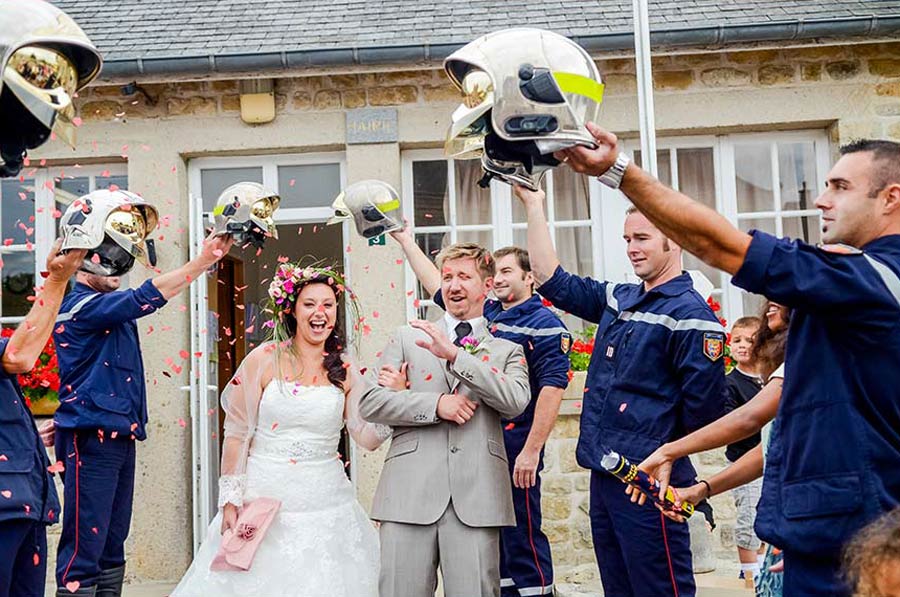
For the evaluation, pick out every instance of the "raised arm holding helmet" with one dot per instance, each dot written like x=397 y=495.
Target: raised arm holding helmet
x=44 y=59
x=103 y=400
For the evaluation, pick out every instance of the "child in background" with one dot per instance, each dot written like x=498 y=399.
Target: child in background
x=872 y=558
x=743 y=383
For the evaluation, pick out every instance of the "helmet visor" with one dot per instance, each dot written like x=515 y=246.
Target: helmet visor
x=129 y=227
x=470 y=121
x=45 y=82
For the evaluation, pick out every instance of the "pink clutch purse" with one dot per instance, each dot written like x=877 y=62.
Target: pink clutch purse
x=239 y=544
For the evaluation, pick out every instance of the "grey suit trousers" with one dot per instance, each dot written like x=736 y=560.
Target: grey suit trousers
x=469 y=558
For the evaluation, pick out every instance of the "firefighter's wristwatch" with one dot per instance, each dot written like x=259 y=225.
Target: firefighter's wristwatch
x=613 y=177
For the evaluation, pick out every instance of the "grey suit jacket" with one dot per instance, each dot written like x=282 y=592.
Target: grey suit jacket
x=432 y=461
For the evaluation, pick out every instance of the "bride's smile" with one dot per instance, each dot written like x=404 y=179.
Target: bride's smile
x=315 y=312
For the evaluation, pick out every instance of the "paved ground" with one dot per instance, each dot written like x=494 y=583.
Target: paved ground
x=709 y=585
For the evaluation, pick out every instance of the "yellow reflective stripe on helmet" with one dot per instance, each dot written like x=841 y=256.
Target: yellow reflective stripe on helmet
x=572 y=83
x=218 y=210
x=389 y=206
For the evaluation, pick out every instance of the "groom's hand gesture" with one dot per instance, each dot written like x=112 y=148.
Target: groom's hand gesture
x=451 y=407
x=440 y=345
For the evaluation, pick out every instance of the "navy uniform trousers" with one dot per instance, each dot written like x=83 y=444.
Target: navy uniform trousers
x=525 y=564
x=99 y=491
x=23 y=558
x=631 y=542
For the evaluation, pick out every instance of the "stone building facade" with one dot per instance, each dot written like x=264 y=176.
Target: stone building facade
x=835 y=91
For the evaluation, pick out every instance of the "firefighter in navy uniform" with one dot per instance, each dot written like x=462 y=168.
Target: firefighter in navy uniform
x=518 y=315
x=833 y=462
x=28 y=500
x=656 y=373
x=44 y=59
x=103 y=400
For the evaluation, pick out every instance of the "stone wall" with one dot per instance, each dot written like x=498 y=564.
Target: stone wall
x=874 y=69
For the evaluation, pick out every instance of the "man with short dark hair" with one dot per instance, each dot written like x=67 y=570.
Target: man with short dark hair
x=656 y=374
x=834 y=458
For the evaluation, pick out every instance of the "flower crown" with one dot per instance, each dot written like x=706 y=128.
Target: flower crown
x=290 y=277
x=285 y=287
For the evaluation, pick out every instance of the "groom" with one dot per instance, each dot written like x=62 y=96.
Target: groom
x=444 y=491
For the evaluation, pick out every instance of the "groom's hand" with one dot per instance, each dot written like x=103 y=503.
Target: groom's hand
x=456 y=408
x=440 y=345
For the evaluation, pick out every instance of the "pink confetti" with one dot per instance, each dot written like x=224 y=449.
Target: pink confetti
x=182 y=422
x=622 y=407
x=6 y=493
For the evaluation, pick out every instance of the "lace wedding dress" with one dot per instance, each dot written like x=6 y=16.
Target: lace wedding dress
x=321 y=542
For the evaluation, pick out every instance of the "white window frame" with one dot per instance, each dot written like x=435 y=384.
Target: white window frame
x=269 y=165
x=730 y=296
x=301 y=215
x=45 y=197
x=501 y=224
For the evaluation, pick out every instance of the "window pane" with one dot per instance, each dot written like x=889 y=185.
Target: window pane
x=520 y=238
x=753 y=303
x=430 y=312
x=518 y=212
x=431 y=244
x=697 y=174
x=764 y=224
x=112 y=182
x=797 y=174
x=663 y=165
x=573 y=247
x=692 y=263
x=17 y=210
x=483 y=238
x=806 y=228
x=314 y=185
x=215 y=180
x=430 y=193
x=473 y=204
x=753 y=177
x=18 y=283
x=75 y=186
x=571 y=197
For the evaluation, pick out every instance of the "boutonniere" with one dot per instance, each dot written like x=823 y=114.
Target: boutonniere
x=471 y=345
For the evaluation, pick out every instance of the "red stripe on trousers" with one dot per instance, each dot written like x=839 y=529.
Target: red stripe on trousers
x=77 y=469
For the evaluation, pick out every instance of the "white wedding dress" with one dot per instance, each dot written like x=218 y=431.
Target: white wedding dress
x=321 y=542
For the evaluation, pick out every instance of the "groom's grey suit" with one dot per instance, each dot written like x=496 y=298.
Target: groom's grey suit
x=444 y=491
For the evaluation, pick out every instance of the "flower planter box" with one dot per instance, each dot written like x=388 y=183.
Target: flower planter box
x=574 y=394
x=45 y=407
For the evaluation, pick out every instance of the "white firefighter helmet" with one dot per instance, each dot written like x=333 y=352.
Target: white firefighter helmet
x=373 y=205
x=45 y=58
x=526 y=93
x=113 y=226
x=244 y=210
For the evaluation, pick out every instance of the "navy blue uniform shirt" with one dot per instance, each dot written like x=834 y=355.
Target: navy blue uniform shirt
x=100 y=367
x=834 y=457
x=23 y=459
x=657 y=372
x=540 y=333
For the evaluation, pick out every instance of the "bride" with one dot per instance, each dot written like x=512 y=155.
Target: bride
x=285 y=408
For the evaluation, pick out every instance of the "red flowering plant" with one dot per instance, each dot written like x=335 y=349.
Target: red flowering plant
x=42 y=382
x=582 y=349
x=717 y=310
